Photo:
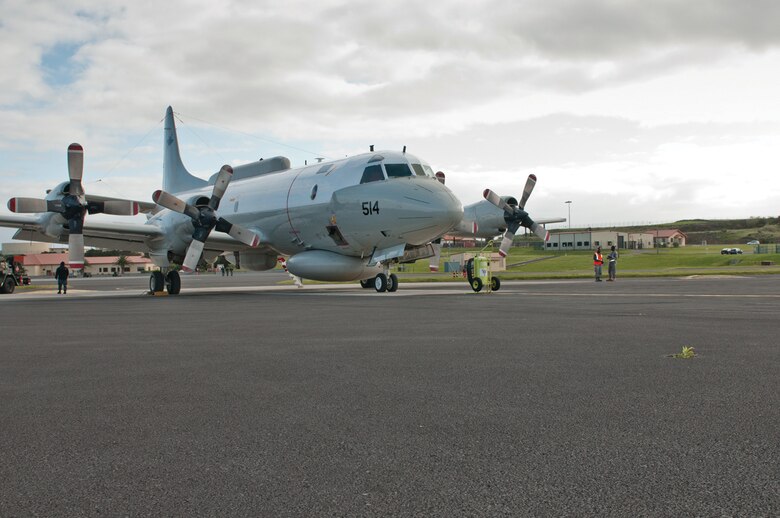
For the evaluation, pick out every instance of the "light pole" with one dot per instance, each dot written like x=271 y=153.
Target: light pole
x=568 y=202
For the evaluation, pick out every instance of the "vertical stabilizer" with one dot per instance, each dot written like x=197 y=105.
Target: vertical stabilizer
x=176 y=178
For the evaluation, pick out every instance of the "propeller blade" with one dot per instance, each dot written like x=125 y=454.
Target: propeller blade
x=114 y=207
x=27 y=205
x=169 y=201
x=540 y=231
x=529 y=187
x=238 y=232
x=76 y=168
x=506 y=243
x=76 y=251
x=509 y=235
x=220 y=186
x=192 y=258
x=496 y=200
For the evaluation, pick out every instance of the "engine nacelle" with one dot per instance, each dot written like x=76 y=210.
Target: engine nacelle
x=257 y=260
x=319 y=265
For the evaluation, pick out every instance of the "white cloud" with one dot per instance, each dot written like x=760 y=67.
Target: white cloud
x=634 y=110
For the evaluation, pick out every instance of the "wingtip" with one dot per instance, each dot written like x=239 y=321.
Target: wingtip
x=12 y=204
x=501 y=253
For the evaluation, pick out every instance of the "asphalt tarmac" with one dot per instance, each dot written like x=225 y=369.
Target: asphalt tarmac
x=241 y=397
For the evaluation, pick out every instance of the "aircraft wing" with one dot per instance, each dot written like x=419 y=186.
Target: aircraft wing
x=121 y=236
x=550 y=220
x=21 y=222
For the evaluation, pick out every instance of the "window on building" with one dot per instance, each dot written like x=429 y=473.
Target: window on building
x=586 y=243
x=579 y=243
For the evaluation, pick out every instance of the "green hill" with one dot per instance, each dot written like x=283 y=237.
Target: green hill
x=721 y=231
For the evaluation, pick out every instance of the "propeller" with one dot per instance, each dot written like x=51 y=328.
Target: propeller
x=515 y=215
x=73 y=206
x=204 y=219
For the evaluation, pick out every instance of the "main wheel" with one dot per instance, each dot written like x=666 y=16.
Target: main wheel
x=156 y=282
x=380 y=282
x=392 y=282
x=366 y=283
x=495 y=284
x=476 y=284
x=8 y=286
x=173 y=282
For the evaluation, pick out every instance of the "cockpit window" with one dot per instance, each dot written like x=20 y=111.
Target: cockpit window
x=397 y=170
x=326 y=168
x=428 y=170
x=418 y=169
x=372 y=173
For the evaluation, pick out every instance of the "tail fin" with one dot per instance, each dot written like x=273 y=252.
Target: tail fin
x=176 y=178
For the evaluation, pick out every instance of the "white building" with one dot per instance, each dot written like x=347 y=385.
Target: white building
x=589 y=240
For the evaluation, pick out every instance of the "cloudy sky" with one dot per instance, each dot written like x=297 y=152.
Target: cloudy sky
x=635 y=111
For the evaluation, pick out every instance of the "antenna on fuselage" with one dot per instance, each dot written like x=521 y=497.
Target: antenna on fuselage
x=319 y=160
x=371 y=148
x=404 y=151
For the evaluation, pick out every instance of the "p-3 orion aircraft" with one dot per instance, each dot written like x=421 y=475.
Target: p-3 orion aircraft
x=342 y=220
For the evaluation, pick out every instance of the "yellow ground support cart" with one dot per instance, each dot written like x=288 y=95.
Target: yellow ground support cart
x=478 y=272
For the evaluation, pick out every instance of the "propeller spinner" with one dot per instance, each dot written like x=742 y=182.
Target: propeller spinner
x=73 y=206
x=515 y=216
x=204 y=219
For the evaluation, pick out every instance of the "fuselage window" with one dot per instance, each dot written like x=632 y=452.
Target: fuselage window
x=372 y=173
x=397 y=170
x=418 y=169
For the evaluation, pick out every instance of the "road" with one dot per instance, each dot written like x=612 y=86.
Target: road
x=545 y=398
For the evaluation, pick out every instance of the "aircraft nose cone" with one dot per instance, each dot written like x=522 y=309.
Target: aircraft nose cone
x=451 y=210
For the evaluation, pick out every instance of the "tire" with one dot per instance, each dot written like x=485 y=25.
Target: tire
x=173 y=282
x=367 y=283
x=8 y=286
x=156 y=282
x=392 y=283
x=380 y=283
x=495 y=284
x=470 y=270
x=476 y=284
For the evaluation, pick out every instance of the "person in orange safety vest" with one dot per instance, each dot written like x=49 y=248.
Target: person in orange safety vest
x=598 y=260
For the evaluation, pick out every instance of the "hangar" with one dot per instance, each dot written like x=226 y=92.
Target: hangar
x=590 y=239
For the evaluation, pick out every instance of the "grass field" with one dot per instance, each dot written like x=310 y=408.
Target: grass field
x=688 y=260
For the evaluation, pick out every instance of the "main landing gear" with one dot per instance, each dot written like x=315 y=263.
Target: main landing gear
x=170 y=282
x=381 y=283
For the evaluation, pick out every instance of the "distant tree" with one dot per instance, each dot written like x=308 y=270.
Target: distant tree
x=121 y=262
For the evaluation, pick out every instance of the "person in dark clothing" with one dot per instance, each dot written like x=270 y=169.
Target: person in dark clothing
x=61 y=274
x=612 y=270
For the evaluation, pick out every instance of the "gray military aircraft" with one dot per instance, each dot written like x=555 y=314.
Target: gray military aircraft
x=341 y=220
x=285 y=216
